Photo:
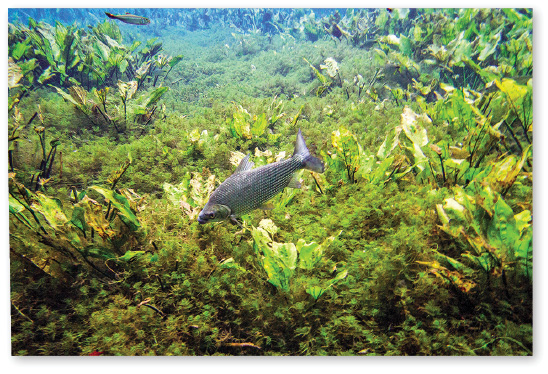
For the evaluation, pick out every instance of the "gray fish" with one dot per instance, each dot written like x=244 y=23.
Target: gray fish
x=129 y=18
x=249 y=189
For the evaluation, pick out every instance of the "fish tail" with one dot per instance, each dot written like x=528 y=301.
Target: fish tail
x=110 y=15
x=309 y=162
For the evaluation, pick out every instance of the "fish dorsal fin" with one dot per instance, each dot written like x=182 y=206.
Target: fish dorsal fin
x=300 y=146
x=244 y=165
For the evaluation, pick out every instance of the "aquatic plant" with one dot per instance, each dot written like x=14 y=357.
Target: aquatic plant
x=498 y=241
x=73 y=241
x=243 y=126
x=191 y=194
x=325 y=83
x=280 y=260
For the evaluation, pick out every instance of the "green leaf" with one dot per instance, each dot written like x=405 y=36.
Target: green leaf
x=523 y=220
x=489 y=47
x=51 y=209
x=123 y=66
x=260 y=125
x=121 y=203
x=65 y=95
x=82 y=194
x=78 y=218
x=15 y=206
x=229 y=263
x=95 y=217
x=175 y=60
x=315 y=291
x=340 y=276
x=98 y=252
x=322 y=78
x=406 y=47
x=287 y=253
x=20 y=49
x=156 y=95
x=277 y=273
x=502 y=232
x=131 y=255
x=309 y=254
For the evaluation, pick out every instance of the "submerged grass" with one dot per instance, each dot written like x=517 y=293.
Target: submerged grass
x=415 y=241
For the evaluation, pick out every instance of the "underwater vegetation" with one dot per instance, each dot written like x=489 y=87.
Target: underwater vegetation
x=415 y=240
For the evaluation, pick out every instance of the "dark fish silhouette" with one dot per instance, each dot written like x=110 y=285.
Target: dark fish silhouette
x=129 y=18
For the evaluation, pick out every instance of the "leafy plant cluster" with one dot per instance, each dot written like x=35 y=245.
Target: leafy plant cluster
x=70 y=56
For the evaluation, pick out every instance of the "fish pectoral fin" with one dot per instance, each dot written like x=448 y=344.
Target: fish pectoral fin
x=294 y=181
x=235 y=221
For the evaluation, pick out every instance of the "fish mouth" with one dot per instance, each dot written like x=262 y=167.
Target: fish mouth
x=201 y=221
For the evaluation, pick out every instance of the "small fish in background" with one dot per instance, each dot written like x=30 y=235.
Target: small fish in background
x=249 y=189
x=129 y=18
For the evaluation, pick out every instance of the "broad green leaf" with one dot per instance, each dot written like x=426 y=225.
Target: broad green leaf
x=309 y=254
x=287 y=253
x=277 y=273
x=410 y=123
x=15 y=206
x=502 y=231
x=123 y=66
x=489 y=47
x=229 y=263
x=523 y=250
x=130 y=255
x=239 y=125
x=194 y=135
x=523 y=220
x=121 y=203
x=156 y=95
x=390 y=143
x=322 y=78
x=269 y=226
x=340 y=276
x=98 y=252
x=390 y=39
x=95 y=217
x=65 y=95
x=485 y=74
x=260 y=125
x=78 y=218
x=406 y=47
x=51 y=209
x=315 y=291
x=175 y=60
x=380 y=174
x=20 y=49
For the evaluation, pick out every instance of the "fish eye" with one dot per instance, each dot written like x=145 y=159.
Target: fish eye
x=210 y=215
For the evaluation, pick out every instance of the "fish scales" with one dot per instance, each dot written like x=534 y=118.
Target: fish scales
x=248 y=190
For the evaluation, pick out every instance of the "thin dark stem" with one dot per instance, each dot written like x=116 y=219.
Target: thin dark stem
x=442 y=168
